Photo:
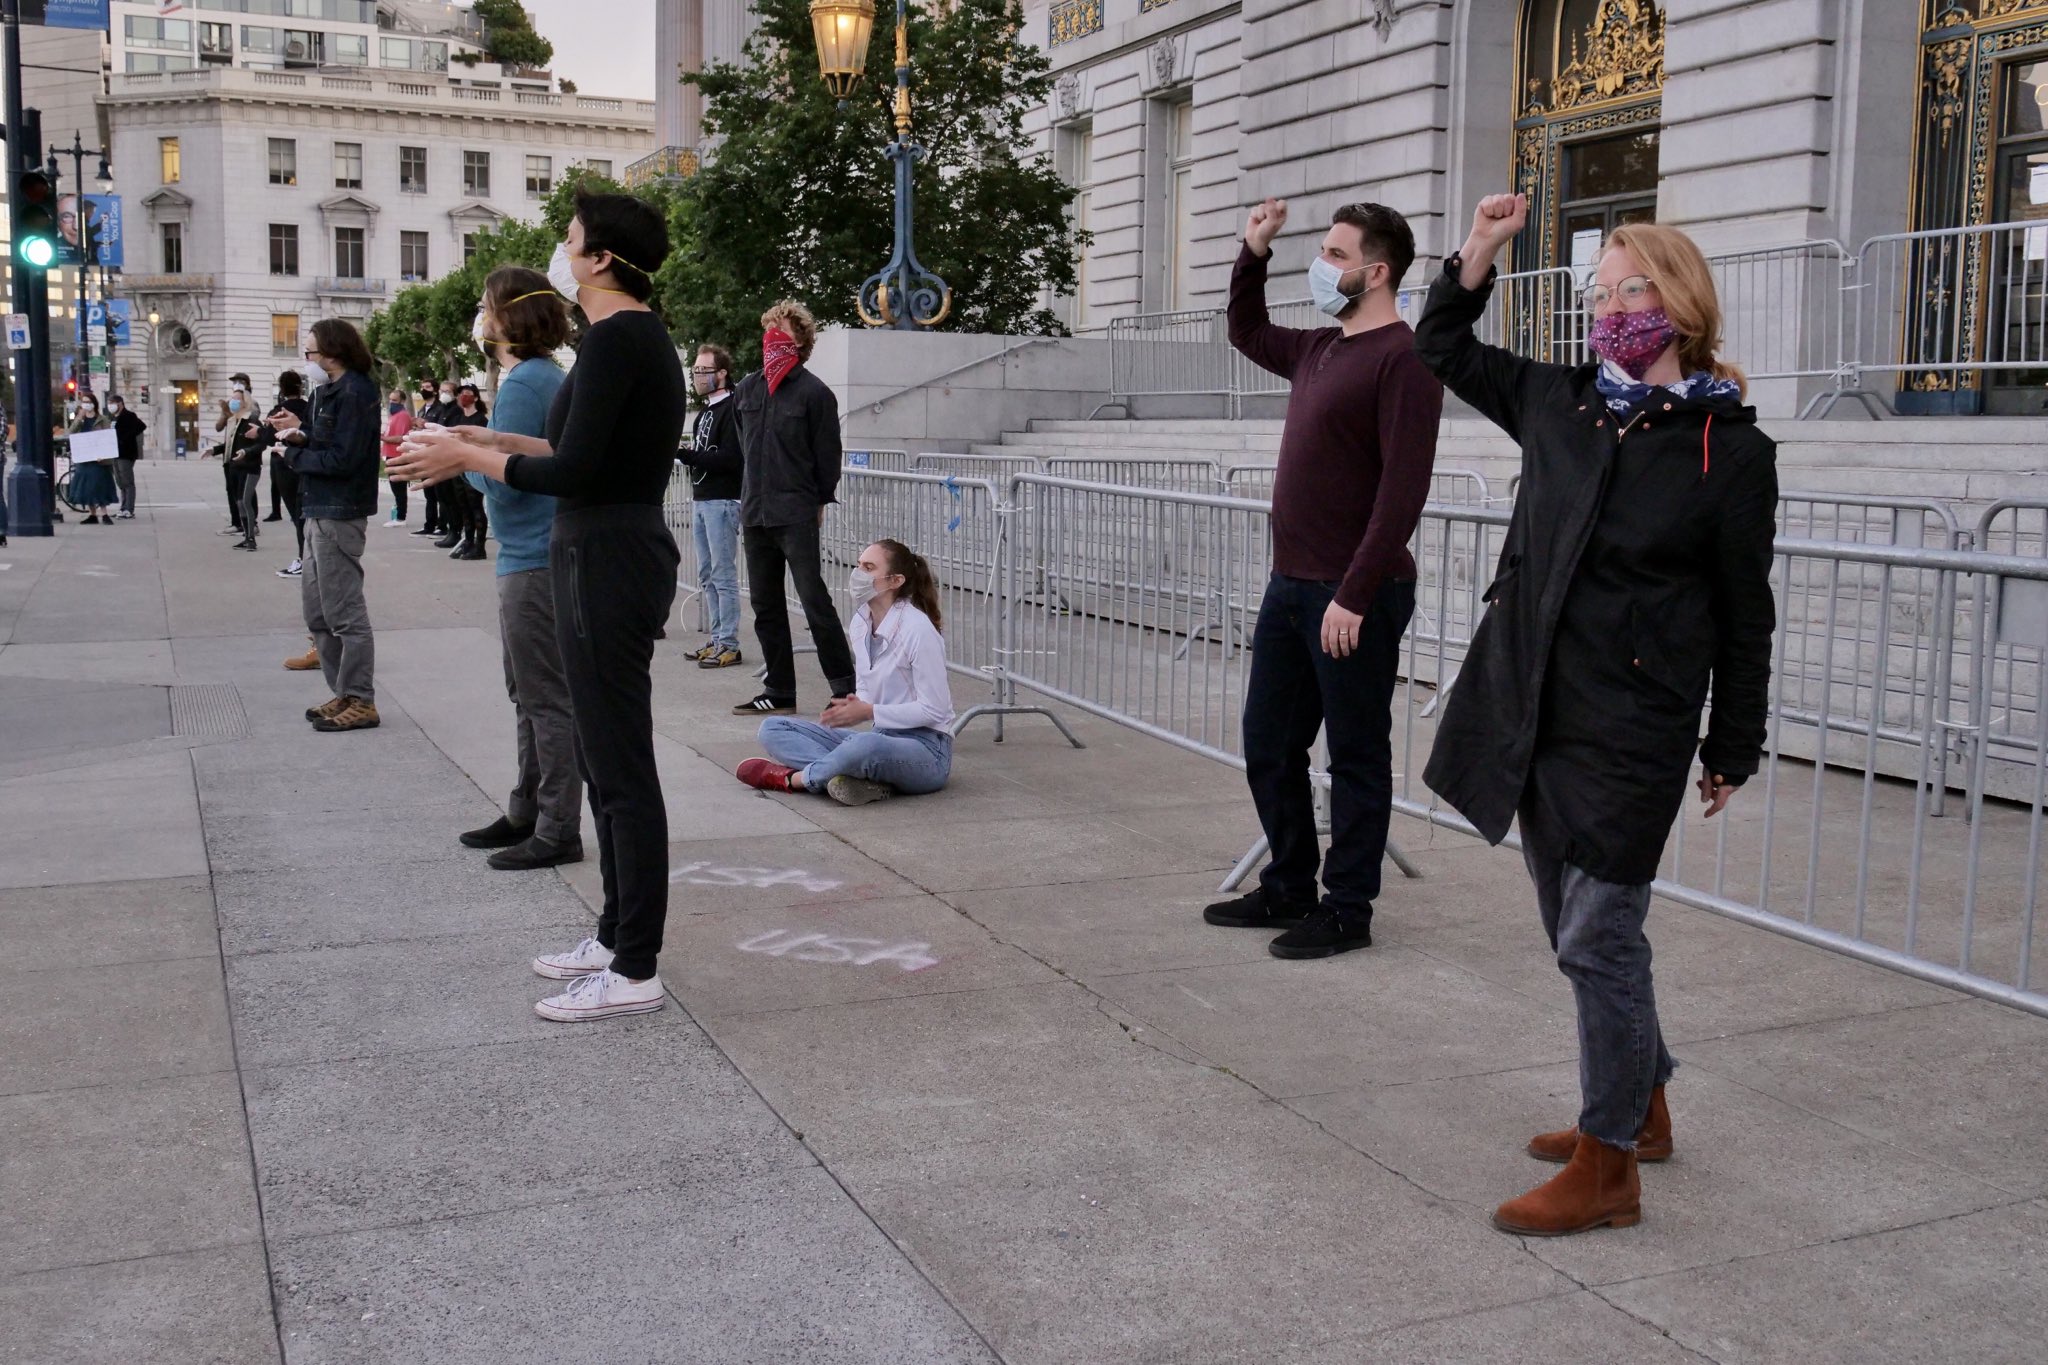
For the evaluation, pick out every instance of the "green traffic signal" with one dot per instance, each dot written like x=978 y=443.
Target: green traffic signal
x=35 y=223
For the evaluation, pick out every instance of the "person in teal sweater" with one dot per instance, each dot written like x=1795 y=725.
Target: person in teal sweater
x=521 y=324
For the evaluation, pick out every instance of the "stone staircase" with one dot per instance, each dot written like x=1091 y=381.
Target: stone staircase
x=1965 y=462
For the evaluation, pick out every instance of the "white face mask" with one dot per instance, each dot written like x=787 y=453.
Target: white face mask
x=315 y=376
x=1325 y=286
x=476 y=334
x=860 y=586
x=447 y=395
x=561 y=275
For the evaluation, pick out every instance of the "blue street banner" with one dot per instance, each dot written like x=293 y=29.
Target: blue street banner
x=120 y=313
x=65 y=13
x=114 y=315
x=103 y=214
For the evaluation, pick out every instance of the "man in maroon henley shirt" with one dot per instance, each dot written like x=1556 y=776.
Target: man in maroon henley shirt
x=1355 y=459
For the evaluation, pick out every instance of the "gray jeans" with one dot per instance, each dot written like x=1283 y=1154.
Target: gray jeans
x=1596 y=928
x=331 y=594
x=245 y=498
x=549 y=796
x=124 y=479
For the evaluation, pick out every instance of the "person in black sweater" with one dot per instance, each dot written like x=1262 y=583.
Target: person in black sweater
x=128 y=429
x=612 y=436
x=435 y=406
x=471 y=527
x=715 y=463
x=789 y=427
x=291 y=398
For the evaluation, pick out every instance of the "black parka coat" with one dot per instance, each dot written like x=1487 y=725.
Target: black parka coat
x=1636 y=568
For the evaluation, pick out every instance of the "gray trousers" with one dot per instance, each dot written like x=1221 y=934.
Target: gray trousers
x=245 y=498
x=549 y=796
x=331 y=594
x=124 y=479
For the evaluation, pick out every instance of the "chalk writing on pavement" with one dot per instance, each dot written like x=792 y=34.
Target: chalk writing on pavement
x=855 y=952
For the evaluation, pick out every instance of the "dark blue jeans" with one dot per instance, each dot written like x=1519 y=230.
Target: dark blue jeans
x=1297 y=689
x=1596 y=928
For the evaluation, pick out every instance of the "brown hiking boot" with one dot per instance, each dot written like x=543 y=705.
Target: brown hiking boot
x=1598 y=1188
x=355 y=714
x=1653 y=1139
x=331 y=707
x=304 y=663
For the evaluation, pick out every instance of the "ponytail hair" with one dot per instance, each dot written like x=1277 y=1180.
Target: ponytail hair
x=920 y=588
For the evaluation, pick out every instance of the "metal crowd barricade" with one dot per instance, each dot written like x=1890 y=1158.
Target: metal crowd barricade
x=2015 y=666
x=1784 y=309
x=974 y=466
x=1170 y=355
x=895 y=461
x=1947 y=308
x=1173 y=474
x=1536 y=313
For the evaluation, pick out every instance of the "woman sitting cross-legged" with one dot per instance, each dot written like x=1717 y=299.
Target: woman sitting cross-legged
x=900 y=685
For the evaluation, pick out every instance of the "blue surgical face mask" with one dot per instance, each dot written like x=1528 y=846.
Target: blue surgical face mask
x=1323 y=281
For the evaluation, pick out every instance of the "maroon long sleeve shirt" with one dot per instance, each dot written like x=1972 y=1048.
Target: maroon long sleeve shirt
x=1358 y=447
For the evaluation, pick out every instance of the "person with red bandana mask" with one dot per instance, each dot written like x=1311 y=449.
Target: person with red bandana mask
x=1635 y=571
x=789 y=436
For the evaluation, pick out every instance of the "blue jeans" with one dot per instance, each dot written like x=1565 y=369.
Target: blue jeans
x=715 y=530
x=914 y=762
x=1596 y=927
x=1295 y=690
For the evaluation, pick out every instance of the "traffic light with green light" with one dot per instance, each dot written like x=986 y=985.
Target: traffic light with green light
x=35 y=220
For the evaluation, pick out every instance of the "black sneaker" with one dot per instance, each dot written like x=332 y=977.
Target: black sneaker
x=500 y=833
x=765 y=705
x=536 y=853
x=1326 y=933
x=1258 y=910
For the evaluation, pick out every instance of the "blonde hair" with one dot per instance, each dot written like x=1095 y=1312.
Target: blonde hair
x=796 y=320
x=1677 y=267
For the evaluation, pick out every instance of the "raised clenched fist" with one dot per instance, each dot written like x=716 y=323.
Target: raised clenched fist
x=1264 y=225
x=1500 y=218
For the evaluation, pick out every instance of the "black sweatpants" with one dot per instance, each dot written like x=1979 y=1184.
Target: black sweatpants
x=232 y=478
x=285 y=480
x=770 y=551
x=434 y=498
x=615 y=580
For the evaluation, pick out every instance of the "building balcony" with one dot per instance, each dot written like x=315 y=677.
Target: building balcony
x=670 y=163
x=128 y=285
x=349 y=286
x=377 y=87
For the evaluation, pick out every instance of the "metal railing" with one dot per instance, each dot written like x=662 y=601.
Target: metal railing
x=1955 y=311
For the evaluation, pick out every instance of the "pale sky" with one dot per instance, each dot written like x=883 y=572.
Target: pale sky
x=605 y=46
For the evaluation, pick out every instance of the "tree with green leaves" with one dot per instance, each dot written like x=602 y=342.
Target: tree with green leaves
x=509 y=34
x=798 y=200
x=425 y=332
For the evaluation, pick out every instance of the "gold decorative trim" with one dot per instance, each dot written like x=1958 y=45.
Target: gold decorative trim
x=1073 y=19
x=1621 y=56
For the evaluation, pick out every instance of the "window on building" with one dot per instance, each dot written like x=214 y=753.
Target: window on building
x=284 y=161
x=171 y=159
x=412 y=170
x=1180 y=206
x=412 y=255
x=2018 y=327
x=259 y=41
x=173 y=238
x=603 y=168
x=476 y=174
x=348 y=253
x=304 y=47
x=147 y=30
x=540 y=176
x=350 y=49
x=284 y=335
x=395 y=52
x=145 y=62
x=468 y=247
x=1075 y=152
x=284 y=248
x=348 y=165
x=217 y=42
x=433 y=57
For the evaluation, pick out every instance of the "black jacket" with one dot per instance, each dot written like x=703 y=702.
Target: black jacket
x=1636 y=566
x=338 y=453
x=713 y=456
x=790 y=440
x=128 y=429
x=248 y=437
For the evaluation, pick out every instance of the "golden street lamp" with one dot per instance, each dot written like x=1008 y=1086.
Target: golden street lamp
x=842 y=28
x=902 y=294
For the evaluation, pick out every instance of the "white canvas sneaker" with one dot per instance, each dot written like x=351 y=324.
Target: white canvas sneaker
x=602 y=995
x=586 y=957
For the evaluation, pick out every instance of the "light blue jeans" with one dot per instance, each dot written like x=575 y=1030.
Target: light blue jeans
x=715 y=530
x=914 y=762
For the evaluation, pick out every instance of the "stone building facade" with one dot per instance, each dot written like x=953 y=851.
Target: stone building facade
x=1750 y=123
x=258 y=201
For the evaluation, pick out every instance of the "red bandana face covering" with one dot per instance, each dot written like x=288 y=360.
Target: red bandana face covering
x=778 y=356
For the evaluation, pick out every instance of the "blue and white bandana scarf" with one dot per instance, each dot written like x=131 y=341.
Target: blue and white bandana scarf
x=1624 y=395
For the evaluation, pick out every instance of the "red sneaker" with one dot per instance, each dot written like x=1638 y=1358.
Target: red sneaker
x=765 y=775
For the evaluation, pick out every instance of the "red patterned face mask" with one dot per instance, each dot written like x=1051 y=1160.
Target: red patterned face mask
x=778 y=356
x=1632 y=340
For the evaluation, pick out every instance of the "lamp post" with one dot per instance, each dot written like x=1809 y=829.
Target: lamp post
x=902 y=294
x=88 y=248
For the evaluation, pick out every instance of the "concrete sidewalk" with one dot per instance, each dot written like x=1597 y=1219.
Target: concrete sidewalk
x=956 y=1079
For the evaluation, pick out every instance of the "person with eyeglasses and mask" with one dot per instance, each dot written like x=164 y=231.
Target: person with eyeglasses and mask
x=1635 y=575
x=1355 y=460
x=335 y=455
x=716 y=466
x=607 y=458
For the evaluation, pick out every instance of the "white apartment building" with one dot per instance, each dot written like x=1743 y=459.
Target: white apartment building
x=258 y=200
x=383 y=35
